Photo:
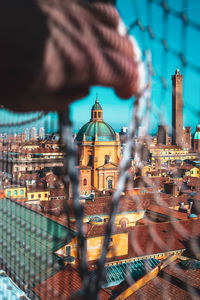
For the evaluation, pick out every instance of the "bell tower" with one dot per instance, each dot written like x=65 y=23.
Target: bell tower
x=96 y=112
x=177 y=109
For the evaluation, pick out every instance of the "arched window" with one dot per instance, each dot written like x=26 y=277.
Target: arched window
x=95 y=114
x=84 y=181
x=110 y=183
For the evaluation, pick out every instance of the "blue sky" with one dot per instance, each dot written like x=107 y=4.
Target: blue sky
x=117 y=112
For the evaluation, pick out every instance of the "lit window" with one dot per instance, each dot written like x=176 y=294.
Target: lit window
x=21 y=192
x=15 y=192
x=9 y=193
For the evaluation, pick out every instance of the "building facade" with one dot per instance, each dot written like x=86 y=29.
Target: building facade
x=187 y=137
x=98 y=152
x=163 y=133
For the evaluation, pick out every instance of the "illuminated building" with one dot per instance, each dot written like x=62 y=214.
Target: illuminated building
x=98 y=153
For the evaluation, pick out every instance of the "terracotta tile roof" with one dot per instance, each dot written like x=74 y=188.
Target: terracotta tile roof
x=172 y=283
x=167 y=200
x=102 y=205
x=57 y=192
x=168 y=212
x=161 y=237
x=142 y=181
x=63 y=285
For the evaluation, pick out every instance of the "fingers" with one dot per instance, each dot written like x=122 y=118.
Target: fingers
x=64 y=49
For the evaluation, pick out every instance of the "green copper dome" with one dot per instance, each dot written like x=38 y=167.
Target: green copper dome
x=101 y=129
x=96 y=106
x=96 y=128
x=197 y=135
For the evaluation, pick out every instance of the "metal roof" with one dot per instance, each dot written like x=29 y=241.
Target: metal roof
x=103 y=131
x=117 y=273
x=28 y=241
x=96 y=106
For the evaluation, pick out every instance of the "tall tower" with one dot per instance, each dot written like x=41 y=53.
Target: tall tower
x=177 y=109
x=33 y=133
x=27 y=134
x=41 y=133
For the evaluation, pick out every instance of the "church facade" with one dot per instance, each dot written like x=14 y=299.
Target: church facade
x=98 y=153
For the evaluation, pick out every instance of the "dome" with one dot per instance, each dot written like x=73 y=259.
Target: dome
x=96 y=106
x=197 y=135
x=101 y=129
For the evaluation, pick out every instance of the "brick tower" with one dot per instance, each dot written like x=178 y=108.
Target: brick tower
x=177 y=109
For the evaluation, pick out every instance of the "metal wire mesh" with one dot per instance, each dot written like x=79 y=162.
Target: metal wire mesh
x=30 y=237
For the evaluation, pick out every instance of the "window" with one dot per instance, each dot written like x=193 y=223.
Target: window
x=90 y=160
x=110 y=184
x=9 y=193
x=15 y=192
x=32 y=196
x=21 y=192
x=84 y=181
x=99 y=114
x=45 y=195
x=67 y=250
x=39 y=195
x=107 y=159
x=95 y=114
